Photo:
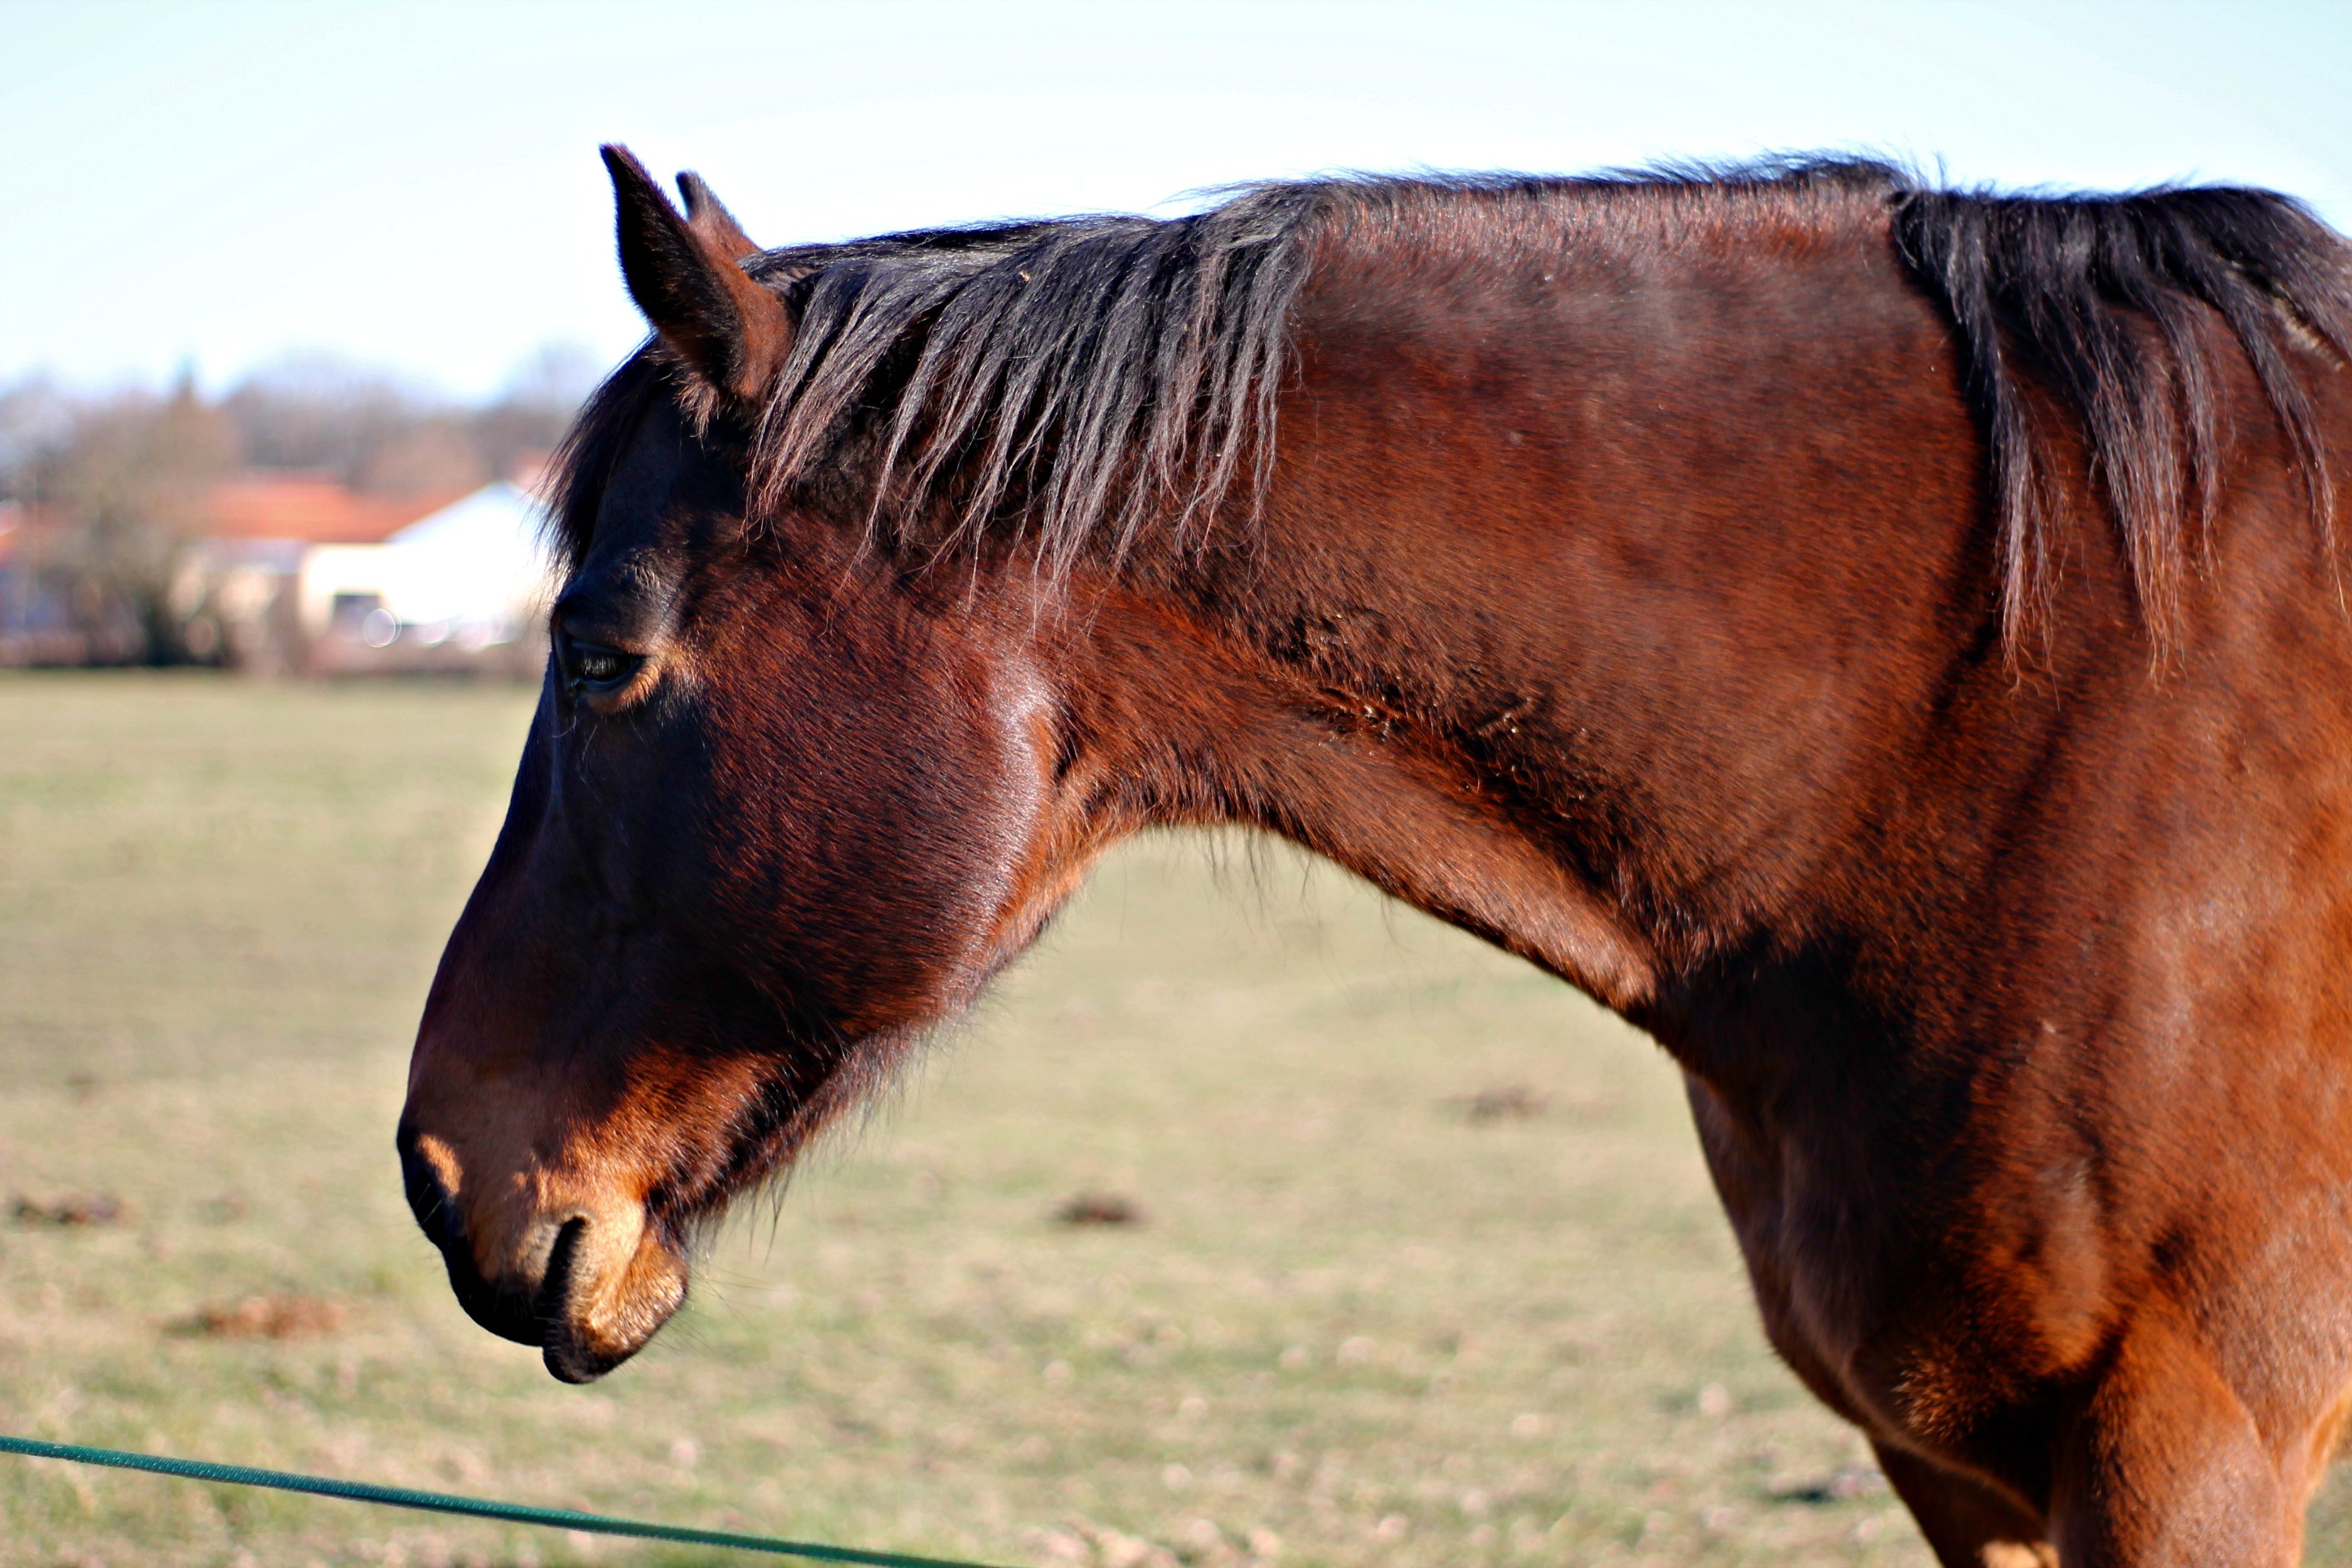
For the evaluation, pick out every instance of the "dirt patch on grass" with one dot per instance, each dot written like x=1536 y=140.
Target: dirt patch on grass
x=1101 y=1208
x=1504 y=1102
x=266 y=1318
x=72 y=1209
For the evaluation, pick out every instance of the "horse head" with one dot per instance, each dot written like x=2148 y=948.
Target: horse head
x=783 y=805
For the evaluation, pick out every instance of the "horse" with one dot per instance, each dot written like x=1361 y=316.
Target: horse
x=1888 y=642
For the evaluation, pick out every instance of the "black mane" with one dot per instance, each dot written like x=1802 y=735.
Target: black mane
x=1078 y=380
x=2067 y=286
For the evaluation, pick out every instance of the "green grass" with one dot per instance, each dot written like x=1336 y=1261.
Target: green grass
x=1356 y=1325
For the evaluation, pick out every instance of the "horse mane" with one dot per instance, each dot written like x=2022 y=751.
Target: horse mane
x=2069 y=285
x=1077 y=379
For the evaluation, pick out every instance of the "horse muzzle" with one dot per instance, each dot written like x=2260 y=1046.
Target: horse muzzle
x=546 y=1260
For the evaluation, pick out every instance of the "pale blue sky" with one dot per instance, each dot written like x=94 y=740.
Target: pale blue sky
x=416 y=185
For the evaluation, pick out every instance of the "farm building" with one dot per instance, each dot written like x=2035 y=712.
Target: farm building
x=298 y=574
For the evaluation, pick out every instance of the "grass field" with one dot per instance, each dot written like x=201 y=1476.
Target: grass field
x=1364 y=1318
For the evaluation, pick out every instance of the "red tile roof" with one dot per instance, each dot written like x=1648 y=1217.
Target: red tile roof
x=310 y=508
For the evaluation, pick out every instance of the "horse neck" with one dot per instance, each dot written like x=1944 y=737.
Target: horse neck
x=1607 y=624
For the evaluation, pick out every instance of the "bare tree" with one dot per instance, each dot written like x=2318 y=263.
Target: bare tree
x=120 y=492
x=380 y=435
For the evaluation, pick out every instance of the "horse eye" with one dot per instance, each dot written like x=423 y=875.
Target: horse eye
x=595 y=665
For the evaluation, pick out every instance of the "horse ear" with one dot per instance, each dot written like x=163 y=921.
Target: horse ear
x=709 y=217
x=730 y=330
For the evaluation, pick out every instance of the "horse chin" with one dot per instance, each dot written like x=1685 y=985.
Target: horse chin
x=606 y=1292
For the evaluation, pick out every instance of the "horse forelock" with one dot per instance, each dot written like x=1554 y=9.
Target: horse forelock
x=583 y=463
x=1072 y=383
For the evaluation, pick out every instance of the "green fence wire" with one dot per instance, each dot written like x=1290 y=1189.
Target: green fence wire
x=475 y=1507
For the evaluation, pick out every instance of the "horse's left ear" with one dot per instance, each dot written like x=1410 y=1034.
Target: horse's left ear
x=731 y=329
x=709 y=217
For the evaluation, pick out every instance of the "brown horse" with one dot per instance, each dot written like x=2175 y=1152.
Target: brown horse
x=1890 y=644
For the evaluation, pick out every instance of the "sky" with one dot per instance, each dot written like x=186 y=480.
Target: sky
x=225 y=186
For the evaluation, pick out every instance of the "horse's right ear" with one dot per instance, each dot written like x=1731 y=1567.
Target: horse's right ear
x=730 y=330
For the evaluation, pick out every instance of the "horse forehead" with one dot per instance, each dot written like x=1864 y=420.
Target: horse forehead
x=649 y=527
x=660 y=454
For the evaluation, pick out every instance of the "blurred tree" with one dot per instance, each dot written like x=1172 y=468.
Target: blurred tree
x=121 y=489
x=534 y=409
x=36 y=416
x=322 y=413
x=380 y=435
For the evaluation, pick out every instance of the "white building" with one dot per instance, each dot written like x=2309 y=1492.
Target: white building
x=468 y=583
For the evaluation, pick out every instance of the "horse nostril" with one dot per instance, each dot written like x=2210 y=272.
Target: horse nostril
x=554 y=1289
x=555 y=1285
x=428 y=1200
